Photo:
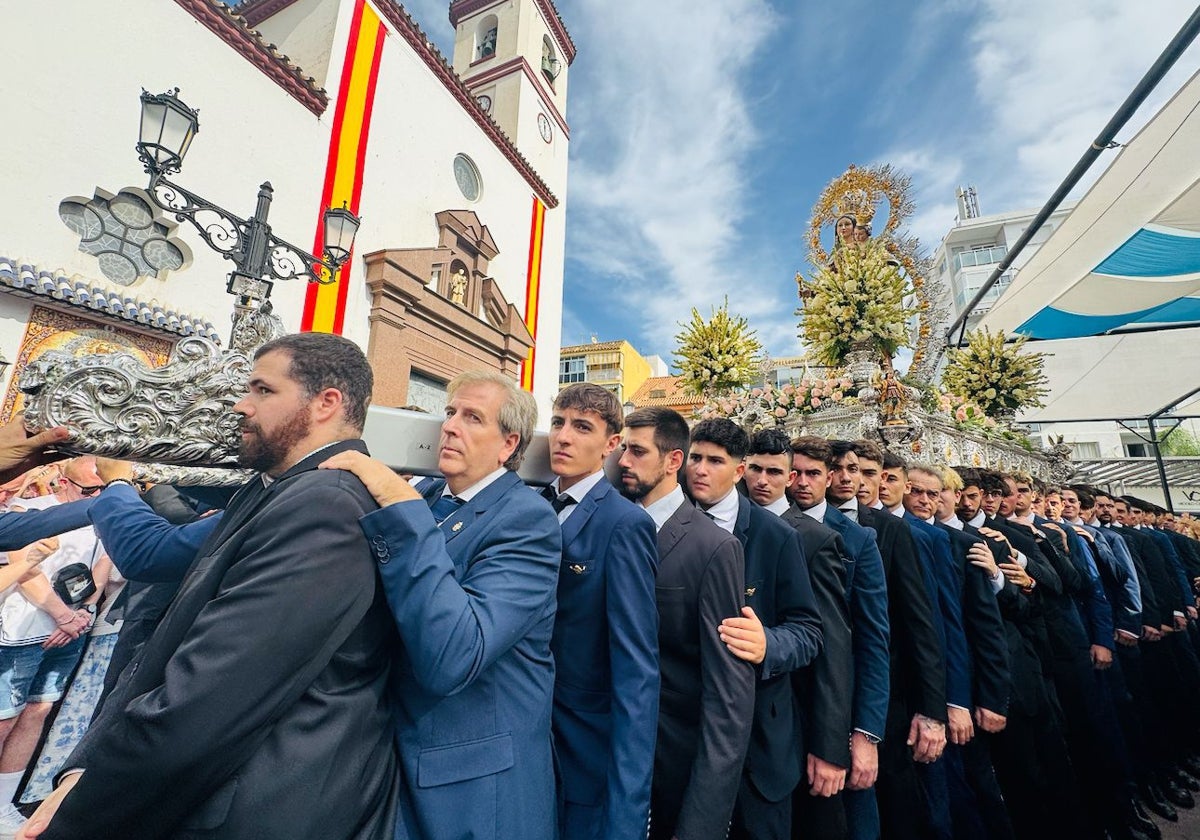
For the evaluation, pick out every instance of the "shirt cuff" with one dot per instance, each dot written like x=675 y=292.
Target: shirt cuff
x=1127 y=634
x=1022 y=560
x=956 y=706
x=1180 y=613
x=997 y=583
x=868 y=733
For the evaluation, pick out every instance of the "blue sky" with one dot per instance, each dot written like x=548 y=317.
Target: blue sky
x=704 y=130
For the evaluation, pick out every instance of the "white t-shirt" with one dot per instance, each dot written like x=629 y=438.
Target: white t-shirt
x=21 y=622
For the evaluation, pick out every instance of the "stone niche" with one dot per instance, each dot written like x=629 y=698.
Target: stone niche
x=436 y=312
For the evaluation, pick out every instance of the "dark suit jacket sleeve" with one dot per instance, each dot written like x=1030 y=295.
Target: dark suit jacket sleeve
x=1097 y=610
x=292 y=598
x=453 y=628
x=913 y=632
x=795 y=639
x=831 y=681
x=20 y=528
x=726 y=702
x=143 y=545
x=958 y=662
x=987 y=639
x=631 y=563
x=872 y=665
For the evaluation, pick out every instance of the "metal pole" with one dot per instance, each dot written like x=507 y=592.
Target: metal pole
x=1162 y=469
x=1103 y=142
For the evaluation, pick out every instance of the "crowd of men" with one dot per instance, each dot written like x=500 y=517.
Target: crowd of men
x=740 y=635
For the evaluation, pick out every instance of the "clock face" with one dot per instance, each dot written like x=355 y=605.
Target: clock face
x=544 y=128
x=485 y=102
x=467 y=178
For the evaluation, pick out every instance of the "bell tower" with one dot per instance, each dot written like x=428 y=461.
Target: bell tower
x=514 y=56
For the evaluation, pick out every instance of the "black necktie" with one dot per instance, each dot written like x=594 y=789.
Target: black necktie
x=559 y=503
x=444 y=507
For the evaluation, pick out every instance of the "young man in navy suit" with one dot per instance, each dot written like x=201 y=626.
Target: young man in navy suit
x=605 y=641
x=778 y=630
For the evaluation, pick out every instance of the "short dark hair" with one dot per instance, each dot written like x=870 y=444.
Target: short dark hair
x=839 y=449
x=771 y=442
x=969 y=476
x=724 y=433
x=1097 y=492
x=1087 y=498
x=991 y=481
x=670 y=429
x=1134 y=503
x=811 y=446
x=318 y=361
x=868 y=449
x=584 y=396
x=892 y=461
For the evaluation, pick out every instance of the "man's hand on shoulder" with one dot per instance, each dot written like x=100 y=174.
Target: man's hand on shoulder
x=381 y=481
x=745 y=636
x=110 y=469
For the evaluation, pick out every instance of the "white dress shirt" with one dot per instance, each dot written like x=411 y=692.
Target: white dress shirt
x=724 y=511
x=665 y=508
x=577 y=491
x=817 y=511
x=780 y=506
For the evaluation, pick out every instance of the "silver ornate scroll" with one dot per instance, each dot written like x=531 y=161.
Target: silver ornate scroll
x=180 y=414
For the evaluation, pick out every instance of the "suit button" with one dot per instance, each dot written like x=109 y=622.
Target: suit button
x=381 y=549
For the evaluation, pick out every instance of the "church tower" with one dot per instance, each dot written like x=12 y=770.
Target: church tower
x=514 y=56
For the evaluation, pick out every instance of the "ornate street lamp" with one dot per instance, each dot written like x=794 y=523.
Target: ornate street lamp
x=168 y=127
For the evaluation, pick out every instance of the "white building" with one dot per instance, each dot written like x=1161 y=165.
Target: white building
x=968 y=255
x=459 y=172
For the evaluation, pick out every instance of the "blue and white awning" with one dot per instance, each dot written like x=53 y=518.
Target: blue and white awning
x=1128 y=256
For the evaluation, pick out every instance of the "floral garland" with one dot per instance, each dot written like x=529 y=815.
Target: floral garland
x=858 y=299
x=995 y=374
x=769 y=407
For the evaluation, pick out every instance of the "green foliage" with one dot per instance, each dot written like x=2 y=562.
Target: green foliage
x=717 y=355
x=1179 y=443
x=858 y=299
x=996 y=376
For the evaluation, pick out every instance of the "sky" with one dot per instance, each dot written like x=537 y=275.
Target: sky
x=703 y=131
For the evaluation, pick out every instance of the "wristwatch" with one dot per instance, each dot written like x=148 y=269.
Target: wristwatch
x=90 y=609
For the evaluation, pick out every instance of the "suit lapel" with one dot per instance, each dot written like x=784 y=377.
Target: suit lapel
x=459 y=522
x=741 y=525
x=584 y=510
x=673 y=530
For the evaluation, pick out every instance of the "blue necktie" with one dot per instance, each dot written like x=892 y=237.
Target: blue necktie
x=445 y=507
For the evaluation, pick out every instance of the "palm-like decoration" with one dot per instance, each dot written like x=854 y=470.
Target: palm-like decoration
x=994 y=374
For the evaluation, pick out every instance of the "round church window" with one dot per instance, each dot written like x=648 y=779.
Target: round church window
x=467 y=176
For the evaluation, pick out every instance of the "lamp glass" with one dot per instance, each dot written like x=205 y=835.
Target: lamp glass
x=341 y=226
x=168 y=126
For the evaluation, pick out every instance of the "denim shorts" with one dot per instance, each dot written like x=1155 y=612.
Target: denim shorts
x=30 y=673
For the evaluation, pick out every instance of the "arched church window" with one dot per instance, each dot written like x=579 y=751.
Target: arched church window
x=551 y=66
x=485 y=37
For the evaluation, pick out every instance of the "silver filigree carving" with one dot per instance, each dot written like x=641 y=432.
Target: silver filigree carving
x=190 y=476
x=181 y=414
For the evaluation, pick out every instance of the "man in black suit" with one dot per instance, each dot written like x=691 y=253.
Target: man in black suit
x=778 y=631
x=270 y=667
x=823 y=688
x=916 y=722
x=706 y=700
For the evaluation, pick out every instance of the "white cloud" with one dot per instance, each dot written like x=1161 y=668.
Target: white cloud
x=662 y=139
x=1047 y=77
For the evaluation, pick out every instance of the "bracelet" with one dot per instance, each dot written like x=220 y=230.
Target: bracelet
x=120 y=481
x=68 y=621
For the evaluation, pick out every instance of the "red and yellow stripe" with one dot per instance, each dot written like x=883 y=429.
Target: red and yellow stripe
x=533 y=281
x=325 y=305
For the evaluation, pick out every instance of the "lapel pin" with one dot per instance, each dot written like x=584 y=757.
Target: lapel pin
x=457 y=526
x=577 y=569
x=750 y=591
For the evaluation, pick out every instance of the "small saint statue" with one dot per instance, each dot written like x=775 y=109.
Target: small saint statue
x=893 y=398
x=458 y=287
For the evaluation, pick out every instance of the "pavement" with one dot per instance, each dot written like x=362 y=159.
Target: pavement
x=1188 y=827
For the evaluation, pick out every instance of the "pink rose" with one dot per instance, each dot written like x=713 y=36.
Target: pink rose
x=781 y=412
x=961 y=414
x=816 y=403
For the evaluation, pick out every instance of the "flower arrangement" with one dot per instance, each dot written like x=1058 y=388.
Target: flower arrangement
x=768 y=406
x=995 y=375
x=717 y=355
x=859 y=299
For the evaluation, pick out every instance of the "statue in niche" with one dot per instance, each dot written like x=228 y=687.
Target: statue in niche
x=893 y=397
x=458 y=287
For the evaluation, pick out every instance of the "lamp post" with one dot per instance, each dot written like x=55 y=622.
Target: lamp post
x=259 y=257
